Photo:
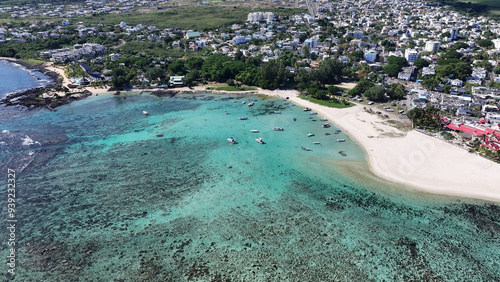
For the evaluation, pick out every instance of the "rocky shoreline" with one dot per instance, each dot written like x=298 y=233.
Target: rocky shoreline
x=33 y=98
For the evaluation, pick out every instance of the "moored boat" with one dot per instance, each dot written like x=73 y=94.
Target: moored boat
x=250 y=104
x=305 y=149
x=254 y=130
x=310 y=134
x=340 y=140
x=307 y=109
x=260 y=140
x=145 y=113
x=316 y=142
x=326 y=125
x=243 y=118
x=231 y=140
x=278 y=129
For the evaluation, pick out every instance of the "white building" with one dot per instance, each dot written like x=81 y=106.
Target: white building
x=492 y=117
x=497 y=43
x=411 y=55
x=432 y=46
x=453 y=34
x=239 y=40
x=261 y=17
x=370 y=56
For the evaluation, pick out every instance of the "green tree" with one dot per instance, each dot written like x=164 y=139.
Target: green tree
x=421 y=63
x=485 y=43
x=361 y=87
x=430 y=83
x=273 y=75
x=392 y=70
x=427 y=118
x=176 y=67
x=375 y=93
x=399 y=61
x=396 y=91
x=459 y=70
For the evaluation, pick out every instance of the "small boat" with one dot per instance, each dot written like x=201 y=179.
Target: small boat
x=254 y=130
x=243 y=118
x=323 y=119
x=305 y=149
x=326 y=125
x=278 y=129
x=340 y=140
x=234 y=101
x=277 y=112
x=231 y=140
x=327 y=133
x=294 y=119
x=307 y=109
x=243 y=102
x=310 y=134
x=310 y=117
x=342 y=153
x=337 y=131
x=316 y=142
x=250 y=104
x=313 y=113
x=260 y=141
x=145 y=113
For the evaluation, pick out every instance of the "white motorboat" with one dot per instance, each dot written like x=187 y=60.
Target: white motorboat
x=305 y=149
x=323 y=119
x=250 y=104
x=307 y=109
x=310 y=134
x=340 y=140
x=231 y=140
x=254 y=130
x=313 y=113
x=278 y=129
x=316 y=142
x=260 y=141
x=326 y=125
x=145 y=113
x=243 y=118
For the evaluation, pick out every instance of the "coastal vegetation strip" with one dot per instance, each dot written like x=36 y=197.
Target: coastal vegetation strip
x=332 y=102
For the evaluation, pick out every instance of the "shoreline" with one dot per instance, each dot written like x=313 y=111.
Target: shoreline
x=411 y=158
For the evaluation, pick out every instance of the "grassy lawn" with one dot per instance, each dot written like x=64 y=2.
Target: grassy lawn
x=327 y=103
x=196 y=18
x=33 y=62
x=231 y=88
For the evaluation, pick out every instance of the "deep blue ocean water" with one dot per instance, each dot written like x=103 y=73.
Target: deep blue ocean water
x=105 y=193
x=14 y=77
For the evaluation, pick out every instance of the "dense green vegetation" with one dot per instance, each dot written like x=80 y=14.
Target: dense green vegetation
x=427 y=118
x=195 y=18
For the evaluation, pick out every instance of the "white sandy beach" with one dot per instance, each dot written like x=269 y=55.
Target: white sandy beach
x=414 y=159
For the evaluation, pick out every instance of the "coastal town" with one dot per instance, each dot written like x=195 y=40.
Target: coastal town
x=441 y=57
x=250 y=140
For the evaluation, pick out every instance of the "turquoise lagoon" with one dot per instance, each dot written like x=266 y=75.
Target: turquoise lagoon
x=105 y=193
